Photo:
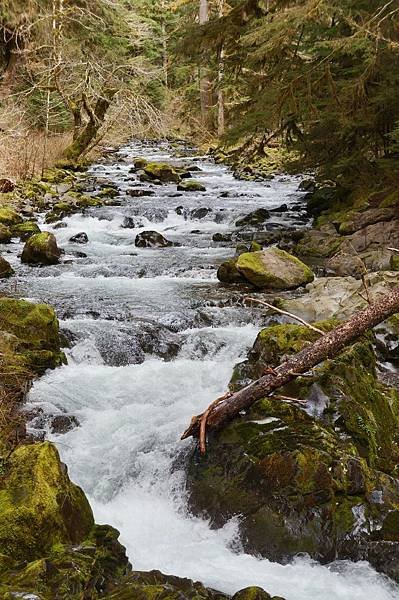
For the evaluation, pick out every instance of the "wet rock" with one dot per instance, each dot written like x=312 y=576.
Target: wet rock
x=6 y=269
x=191 y=186
x=78 y=254
x=139 y=193
x=306 y=479
x=228 y=272
x=252 y=593
x=254 y=218
x=200 y=213
x=25 y=230
x=41 y=249
x=179 y=210
x=9 y=217
x=6 y=186
x=79 y=238
x=307 y=185
x=5 y=234
x=151 y=239
x=63 y=423
x=140 y=163
x=128 y=223
x=279 y=209
x=60 y=225
x=274 y=269
x=153 y=584
x=156 y=215
x=162 y=172
x=222 y=237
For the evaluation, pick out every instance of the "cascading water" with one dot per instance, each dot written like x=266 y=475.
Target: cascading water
x=154 y=341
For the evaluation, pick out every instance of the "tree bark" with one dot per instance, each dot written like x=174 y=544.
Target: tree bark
x=220 y=78
x=328 y=346
x=205 y=85
x=96 y=118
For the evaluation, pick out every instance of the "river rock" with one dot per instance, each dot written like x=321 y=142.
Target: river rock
x=6 y=269
x=254 y=218
x=274 y=269
x=228 y=272
x=9 y=217
x=279 y=209
x=162 y=172
x=139 y=193
x=35 y=332
x=25 y=230
x=5 y=234
x=151 y=239
x=191 y=186
x=79 y=238
x=41 y=249
x=128 y=223
x=339 y=297
x=222 y=237
x=316 y=243
x=200 y=213
x=318 y=478
x=371 y=216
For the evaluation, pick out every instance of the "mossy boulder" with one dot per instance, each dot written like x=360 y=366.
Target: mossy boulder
x=274 y=269
x=228 y=272
x=319 y=478
x=5 y=234
x=49 y=542
x=39 y=506
x=191 y=186
x=318 y=243
x=25 y=230
x=41 y=249
x=9 y=217
x=35 y=329
x=6 y=269
x=140 y=162
x=161 y=171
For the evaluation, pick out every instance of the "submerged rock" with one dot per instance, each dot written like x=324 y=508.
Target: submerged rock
x=320 y=479
x=274 y=269
x=79 y=238
x=128 y=223
x=151 y=239
x=254 y=218
x=41 y=249
x=6 y=269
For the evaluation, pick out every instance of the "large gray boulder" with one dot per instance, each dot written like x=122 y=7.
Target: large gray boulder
x=274 y=269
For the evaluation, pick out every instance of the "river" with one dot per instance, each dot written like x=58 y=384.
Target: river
x=154 y=340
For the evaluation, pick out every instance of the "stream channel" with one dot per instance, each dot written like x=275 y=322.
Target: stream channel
x=154 y=340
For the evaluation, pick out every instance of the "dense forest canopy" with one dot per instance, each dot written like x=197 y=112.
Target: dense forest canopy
x=317 y=77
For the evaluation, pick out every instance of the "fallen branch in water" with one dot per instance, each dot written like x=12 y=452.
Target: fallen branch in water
x=329 y=345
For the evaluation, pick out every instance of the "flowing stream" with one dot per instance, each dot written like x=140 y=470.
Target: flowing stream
x=154 y=340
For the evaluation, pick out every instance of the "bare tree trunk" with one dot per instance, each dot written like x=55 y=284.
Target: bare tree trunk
x=165 y=58
x=220 y=78
x=205 y=86
x=328 y=346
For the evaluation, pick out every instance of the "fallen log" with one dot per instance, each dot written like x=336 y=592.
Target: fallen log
x=226 y=407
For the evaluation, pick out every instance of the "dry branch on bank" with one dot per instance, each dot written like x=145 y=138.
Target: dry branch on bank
x=327 y=346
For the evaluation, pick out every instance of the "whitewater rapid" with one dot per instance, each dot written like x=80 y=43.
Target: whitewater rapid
x=132 y=401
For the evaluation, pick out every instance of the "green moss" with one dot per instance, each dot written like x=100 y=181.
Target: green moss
x=108 y=192
x=191 y=185
x=39 y=506
x=36 y=329
x=25 y=230
x=5 y=234
x=9 y=216
x=161 y=171
x=394 y=262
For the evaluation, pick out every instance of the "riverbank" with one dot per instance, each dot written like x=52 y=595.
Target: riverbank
x=136 y=315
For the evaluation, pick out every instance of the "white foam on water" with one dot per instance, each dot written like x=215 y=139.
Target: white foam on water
x=124 y=453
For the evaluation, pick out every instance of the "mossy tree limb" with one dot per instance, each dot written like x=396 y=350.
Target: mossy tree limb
x=328 y=346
